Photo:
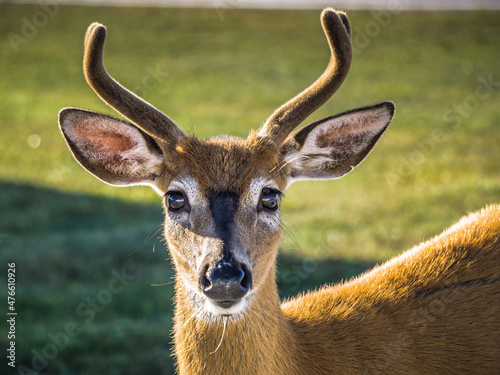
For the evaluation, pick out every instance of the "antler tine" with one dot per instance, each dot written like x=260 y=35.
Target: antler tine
x=281 y=123
x=143 y=114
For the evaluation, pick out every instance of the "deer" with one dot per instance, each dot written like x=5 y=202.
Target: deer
x=434 y=309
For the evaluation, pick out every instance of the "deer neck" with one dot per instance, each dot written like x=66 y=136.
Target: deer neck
x=259 y=342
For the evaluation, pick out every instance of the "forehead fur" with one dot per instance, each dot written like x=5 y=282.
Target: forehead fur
x=227 y=164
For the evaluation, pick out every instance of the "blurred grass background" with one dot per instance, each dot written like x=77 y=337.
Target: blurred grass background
x=224 y=71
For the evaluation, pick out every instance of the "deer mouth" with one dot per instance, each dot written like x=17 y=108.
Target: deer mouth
x=225 y=304
x=223 y=308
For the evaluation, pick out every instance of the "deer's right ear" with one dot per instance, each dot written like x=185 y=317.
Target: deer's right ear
x=113 y=150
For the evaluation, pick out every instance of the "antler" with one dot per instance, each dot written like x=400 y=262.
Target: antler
x=338 y=32
x=143 y=114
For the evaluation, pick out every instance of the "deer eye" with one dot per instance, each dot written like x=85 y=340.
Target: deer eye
x=175 y=201
x=270 y=199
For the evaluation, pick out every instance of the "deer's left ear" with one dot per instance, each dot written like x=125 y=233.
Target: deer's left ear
x=331 y=147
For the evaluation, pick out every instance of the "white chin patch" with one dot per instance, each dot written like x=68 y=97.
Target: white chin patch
x=234 y=310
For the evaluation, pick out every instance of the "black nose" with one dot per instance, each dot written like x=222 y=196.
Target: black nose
x=226 y=283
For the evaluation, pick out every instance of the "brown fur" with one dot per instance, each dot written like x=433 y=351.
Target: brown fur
x=225 y=164
x=433 y=310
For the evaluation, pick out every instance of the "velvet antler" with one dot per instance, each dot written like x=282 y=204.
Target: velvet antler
x=291 y=114
x=143 y=114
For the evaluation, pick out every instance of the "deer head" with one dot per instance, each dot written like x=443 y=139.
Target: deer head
x=222 y=195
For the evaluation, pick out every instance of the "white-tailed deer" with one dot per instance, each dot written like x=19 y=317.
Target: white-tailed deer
x=433 y=310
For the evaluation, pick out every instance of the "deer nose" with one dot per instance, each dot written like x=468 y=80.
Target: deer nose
x=226 y=283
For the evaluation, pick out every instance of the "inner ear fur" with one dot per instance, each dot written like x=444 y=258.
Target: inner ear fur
x=331 y=147
x=113 y=150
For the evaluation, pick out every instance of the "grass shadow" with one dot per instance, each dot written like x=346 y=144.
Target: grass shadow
x=85 y=266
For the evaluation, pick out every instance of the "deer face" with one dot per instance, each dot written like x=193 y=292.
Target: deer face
x=222 y=196
x=222 y=219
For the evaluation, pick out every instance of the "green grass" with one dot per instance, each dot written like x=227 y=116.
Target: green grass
x=225 y=73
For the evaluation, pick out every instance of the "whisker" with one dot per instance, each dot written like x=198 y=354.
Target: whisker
x=149 y=238
x=281 y=162
x=297 y=157
x=285 y=224
x=163 y=284
x=187 y=321
x=222 y=337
